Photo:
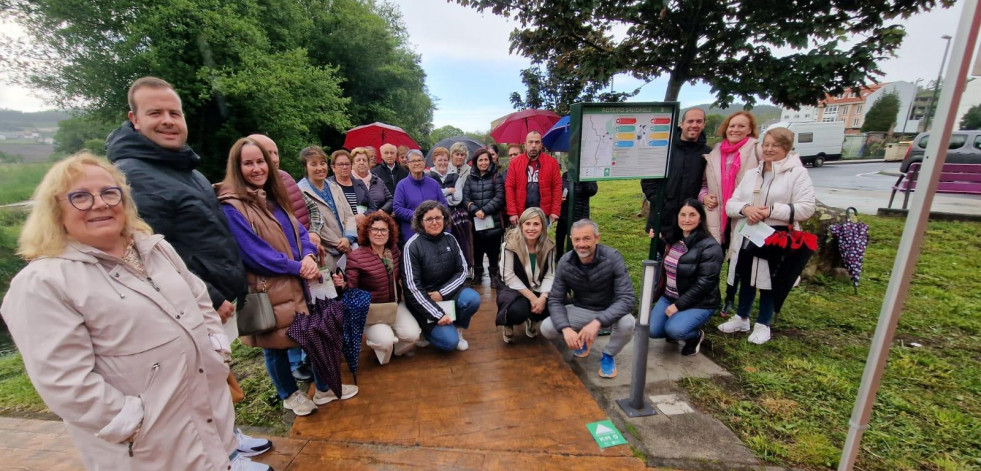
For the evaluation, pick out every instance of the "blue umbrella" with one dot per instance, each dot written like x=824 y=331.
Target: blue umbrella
x=557 y=138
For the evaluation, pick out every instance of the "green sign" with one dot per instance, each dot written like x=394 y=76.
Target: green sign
x=612 y=141
x=605 y=434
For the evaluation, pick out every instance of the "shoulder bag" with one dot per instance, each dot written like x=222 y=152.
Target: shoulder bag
x=384 y=313
x=257 y=316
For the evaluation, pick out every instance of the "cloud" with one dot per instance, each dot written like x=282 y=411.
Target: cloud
x=441 y=30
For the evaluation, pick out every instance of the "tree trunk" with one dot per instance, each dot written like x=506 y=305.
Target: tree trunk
x=674 y=87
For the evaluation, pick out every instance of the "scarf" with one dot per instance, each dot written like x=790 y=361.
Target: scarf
x=729 y=175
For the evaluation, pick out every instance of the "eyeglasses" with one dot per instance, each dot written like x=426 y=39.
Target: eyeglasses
x=342 y=165
x=433 y=219
x=378 y=230
x=417 y=161
x=83 y=200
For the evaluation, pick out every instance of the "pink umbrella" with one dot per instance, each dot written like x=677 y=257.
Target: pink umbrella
x=517 y=125
x=376 y=134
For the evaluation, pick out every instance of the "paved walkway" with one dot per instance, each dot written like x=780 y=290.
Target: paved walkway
x=494 y=407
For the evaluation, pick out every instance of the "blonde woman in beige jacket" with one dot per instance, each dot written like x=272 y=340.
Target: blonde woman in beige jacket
x=724 y=169
x=118 y=337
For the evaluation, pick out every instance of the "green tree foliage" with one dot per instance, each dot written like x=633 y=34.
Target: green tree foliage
x=302 y=72
x=74 y=132
x=736 y=47
x=444 y=132
x=881 y=116
x=712 y=123
x=972 y=119
x=557 y=89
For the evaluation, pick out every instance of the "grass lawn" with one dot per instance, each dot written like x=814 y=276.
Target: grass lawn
x=788 y=400
x=17 y=181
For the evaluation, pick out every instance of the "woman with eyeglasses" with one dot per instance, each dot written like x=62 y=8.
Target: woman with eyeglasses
x=119 y=338
x=337 y=225
x=434 y=271
x=413 y=190
x=374 y=267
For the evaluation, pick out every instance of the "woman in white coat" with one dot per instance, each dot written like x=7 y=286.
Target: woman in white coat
x=770 y=194
x=118 y=337
x=724 y=169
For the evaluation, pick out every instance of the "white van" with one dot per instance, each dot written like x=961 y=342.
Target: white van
x=815 y=142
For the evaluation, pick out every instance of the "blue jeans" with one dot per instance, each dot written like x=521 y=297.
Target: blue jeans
x=278 y=367
x=297 y=355
x=683 y=325
x=747 y=293
x=444 y=337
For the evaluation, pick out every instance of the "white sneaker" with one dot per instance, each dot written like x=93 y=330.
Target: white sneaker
x=736 y=324
x=323 y=397
x=463 y=345
x=422 y=343
x=243 y=463
x=508 y=333
x=300 y=404
x=249 y=446
x=760 y=335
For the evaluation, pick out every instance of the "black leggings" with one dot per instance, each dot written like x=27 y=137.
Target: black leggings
x=520 y=311
x=486 y=245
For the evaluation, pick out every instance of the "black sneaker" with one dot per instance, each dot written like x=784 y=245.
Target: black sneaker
x=691 y=346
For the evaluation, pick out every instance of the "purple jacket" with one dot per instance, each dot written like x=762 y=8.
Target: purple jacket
x=259 y=257
x=409 y=193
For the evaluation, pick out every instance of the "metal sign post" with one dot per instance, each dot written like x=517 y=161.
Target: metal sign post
x=636 y=405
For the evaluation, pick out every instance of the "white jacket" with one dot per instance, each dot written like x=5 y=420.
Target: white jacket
x=788 y=183
x=106 y=349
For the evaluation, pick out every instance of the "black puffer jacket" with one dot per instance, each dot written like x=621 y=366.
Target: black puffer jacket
x=376 y=198
x=685 y=173
x=431 y=263
x=698 y=273
x=603 y=286
x=178 y=202
x=485 y=192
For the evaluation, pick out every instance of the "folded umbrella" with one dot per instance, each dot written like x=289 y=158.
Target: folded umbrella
x=853 y=238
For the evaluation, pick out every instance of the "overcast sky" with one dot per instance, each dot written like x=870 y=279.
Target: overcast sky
x=472 y=74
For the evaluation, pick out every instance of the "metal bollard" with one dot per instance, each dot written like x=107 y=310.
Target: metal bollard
x=636 y=405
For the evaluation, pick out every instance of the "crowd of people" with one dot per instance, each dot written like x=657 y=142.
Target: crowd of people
x=140 y=268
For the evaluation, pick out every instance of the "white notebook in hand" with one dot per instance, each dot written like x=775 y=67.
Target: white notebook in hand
x=449 y=307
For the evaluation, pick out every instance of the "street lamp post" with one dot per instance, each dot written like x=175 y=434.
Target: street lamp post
x=936 y=85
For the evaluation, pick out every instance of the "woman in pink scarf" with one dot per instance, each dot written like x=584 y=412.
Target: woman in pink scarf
x=724 y=168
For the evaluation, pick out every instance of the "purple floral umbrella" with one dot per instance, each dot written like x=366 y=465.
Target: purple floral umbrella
x=853 y=238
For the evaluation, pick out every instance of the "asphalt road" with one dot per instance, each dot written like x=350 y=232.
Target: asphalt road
x=867 y=186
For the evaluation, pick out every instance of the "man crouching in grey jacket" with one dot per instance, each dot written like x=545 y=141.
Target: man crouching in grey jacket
x=592 y=289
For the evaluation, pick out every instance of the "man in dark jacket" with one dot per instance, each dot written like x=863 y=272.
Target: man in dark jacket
x=177 y=201
x=592 y=289
x=584 y=191
x=685 y=173
x=389 y=170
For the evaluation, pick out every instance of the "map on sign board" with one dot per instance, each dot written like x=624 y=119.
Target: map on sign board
x=625 y=142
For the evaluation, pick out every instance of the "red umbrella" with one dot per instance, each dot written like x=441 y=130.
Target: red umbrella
x=517 y=125
x=376 y=134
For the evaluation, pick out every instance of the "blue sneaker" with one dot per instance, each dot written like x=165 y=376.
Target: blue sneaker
x=608 y=367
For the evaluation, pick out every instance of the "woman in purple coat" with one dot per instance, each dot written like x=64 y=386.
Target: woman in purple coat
x=414 y=190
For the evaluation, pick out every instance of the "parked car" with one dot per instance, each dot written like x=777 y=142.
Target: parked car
x=816 y=143
x=964 y=148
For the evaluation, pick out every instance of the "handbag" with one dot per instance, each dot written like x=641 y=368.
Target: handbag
x=237 y=394
x=257 y=316
x=383 y=313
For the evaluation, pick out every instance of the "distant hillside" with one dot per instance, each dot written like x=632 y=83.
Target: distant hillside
x=11 y=120
x=762 y=112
